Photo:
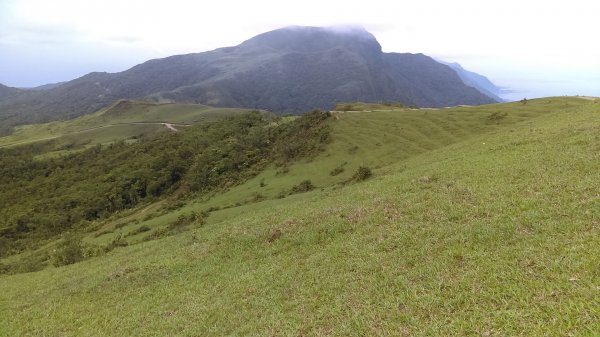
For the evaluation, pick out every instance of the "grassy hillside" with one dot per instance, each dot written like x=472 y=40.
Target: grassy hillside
x=377 y=139
x=478 y=221
x=43 y=198
x=122 y=120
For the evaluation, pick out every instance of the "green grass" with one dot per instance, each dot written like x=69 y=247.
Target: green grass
x=122 y=120
x=361 y=106
x=471 y=225
x=378 y=139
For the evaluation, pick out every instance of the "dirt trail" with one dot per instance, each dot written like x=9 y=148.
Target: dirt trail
x=170 y=126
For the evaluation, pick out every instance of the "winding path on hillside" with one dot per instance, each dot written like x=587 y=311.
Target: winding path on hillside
x=170 y=126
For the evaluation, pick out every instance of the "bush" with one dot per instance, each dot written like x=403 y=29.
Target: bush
x=149 y=216
x=338 y=170
x=178 y=226
x=258 y=197
x=26 y=264
x=304 y=186
x=282 y=171
x=118 y=241
x=496 y=116
x=69 y=251
x=363 y=173
x=138 y=230
x=4 y=268
x=196 y=219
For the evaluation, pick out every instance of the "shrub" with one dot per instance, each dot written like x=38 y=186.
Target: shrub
x=178 y=226
x=4 y=268
x=175 y=206
x=157 y=234
x=149 y=216
x=194 y=218
x=138 y=230
x=338 y=169
x=282 y=171
x=27 y=264
x=69 y=251
x=304 y=186
x=118 y=241
x=496 y=116
x=363 y=173
x=258 y=197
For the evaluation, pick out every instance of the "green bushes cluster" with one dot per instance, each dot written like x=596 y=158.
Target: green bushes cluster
x=303 y=186
x=339 y=169
x=69 y=251
x=183 y=221
x=363 y=173
x=42 y=198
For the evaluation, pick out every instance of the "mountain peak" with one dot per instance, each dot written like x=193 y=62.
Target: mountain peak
x=355 y=30
x=292 y=69
x=315 y=39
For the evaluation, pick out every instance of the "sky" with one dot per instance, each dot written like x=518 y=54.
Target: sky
x=534 y=48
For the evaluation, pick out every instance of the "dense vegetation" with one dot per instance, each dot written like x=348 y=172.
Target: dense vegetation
x=42 y=198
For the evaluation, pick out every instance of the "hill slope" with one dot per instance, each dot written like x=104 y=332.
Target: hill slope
x=287 y=70
x=122 y=120
x=496 y=233
x=8 y=91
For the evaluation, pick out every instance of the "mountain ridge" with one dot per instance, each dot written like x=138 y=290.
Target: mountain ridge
x=293 y=69
x=477 y=81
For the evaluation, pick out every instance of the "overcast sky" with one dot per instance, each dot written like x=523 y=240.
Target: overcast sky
x=536 y=47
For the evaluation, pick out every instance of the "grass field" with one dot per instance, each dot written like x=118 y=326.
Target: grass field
x=122 y=120
x=478 y=221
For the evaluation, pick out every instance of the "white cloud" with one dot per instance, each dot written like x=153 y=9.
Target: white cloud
x=502 y=39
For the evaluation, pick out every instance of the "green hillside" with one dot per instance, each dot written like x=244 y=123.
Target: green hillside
x=122 y=120
x=476 y=221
